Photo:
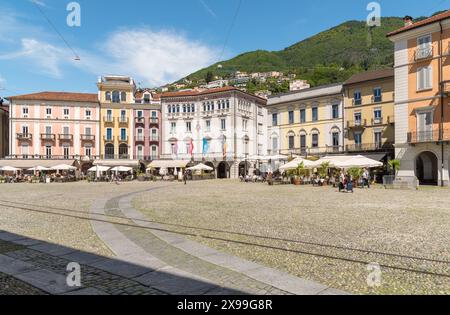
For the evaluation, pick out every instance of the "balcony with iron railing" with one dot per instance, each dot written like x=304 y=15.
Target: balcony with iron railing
x=123 y=120
x=139 y=120
x=48 y=136
x=154 y=121
x=87 y=138
x=108 y=139
x=362 y=123
x=124 y=156
x=382 y=121
x=139 y=139
x=154 y=138
x=435 y=135
x=108 y=120
x=65 y=137
x=24 y=137
x=308 y=151
x=123 y=139
x=423 y=53
x=369 y=147
x=51 y=157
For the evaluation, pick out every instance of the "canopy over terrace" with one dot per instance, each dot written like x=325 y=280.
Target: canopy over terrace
x=297 y=162
x=168 y=164
x=349 y=161
x=114 y=163
x=201 y=167
x=27 y=164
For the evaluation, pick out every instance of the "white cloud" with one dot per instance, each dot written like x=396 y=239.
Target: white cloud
x=44 y=56
x=157 y=57
x=153 y=57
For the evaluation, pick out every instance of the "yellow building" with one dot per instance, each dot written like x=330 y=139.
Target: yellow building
x=307 y=122
x=369 y=113
x=116 y=95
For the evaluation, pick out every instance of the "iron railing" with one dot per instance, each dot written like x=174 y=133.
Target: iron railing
x=423 y=53
x=368 y=147
x=434 y=135
x=48 y=136
x=24 y=136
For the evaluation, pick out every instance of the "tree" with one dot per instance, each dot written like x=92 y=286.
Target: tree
x=209 y=77
x=395 y=166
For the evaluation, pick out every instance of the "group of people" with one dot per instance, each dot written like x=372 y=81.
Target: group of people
x=346 y=181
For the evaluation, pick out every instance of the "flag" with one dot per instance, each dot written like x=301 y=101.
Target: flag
x=191 y=148
x=205 y=146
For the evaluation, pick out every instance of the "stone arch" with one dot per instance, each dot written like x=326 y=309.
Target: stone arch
x=427 y=168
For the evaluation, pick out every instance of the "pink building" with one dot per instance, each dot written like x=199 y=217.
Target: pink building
x=146 y=124
x=54 y=126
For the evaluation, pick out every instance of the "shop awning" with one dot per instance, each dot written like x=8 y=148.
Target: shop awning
x=169 y=164
x=26 y=164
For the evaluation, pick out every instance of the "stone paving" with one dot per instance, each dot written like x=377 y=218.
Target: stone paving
x=225 y=273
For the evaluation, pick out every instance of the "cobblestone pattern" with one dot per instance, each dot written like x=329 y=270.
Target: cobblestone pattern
x=182 y=260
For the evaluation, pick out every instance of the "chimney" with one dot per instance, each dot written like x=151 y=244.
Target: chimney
x=408 y=20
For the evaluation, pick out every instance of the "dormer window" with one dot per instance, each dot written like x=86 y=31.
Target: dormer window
x=146 y=98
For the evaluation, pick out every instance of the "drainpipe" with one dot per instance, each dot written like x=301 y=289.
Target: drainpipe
x=441 y=92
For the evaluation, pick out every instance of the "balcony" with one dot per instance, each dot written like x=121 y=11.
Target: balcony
x=154 y=139
x=108 y=120
x=377 y=99
x=123 y=139
x=154 y=121
x=124 y=156
x=446 y=87
x=87 y=138
x=65 y=137
x=382 y=121
x=355 y=124
x=436 y=135
x=368 y=147
x=48 y=137
x=108 y=139
x=24 y=137
x=139 y=121
x=123 y=120
x=306 y=151
x=139 y=139
x=51 y=157
x=423 y=53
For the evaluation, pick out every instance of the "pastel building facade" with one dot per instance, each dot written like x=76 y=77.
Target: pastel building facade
x=4 y=131
x=369 y=118
x=307 y=122
x=220 y=127
x=422 y=103
x=147 y=120
x=54 y=125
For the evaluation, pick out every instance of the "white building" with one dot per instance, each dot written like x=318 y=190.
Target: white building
x=220 y=127
x=298 y=85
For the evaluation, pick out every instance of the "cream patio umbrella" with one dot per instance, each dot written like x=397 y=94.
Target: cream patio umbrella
x=9 y=169
x=296 y=163
x=201 y=167
x=361 y=162
x=64 y=167
x=39 y=169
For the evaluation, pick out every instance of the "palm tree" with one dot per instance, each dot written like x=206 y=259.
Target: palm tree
x=395 y=166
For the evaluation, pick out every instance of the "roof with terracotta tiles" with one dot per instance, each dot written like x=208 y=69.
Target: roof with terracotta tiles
x=430 y=20
x=57 y=96
x=370 y=76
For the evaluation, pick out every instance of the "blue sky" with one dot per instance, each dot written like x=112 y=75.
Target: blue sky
x=158 y=42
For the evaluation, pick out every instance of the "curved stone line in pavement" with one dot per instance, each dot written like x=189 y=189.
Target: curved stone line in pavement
x=278 y=280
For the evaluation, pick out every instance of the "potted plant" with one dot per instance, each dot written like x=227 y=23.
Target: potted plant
x=355 y=173
x=323 y=172
x=395 y=167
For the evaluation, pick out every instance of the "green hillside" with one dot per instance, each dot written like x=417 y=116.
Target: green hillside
x=328 y=57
